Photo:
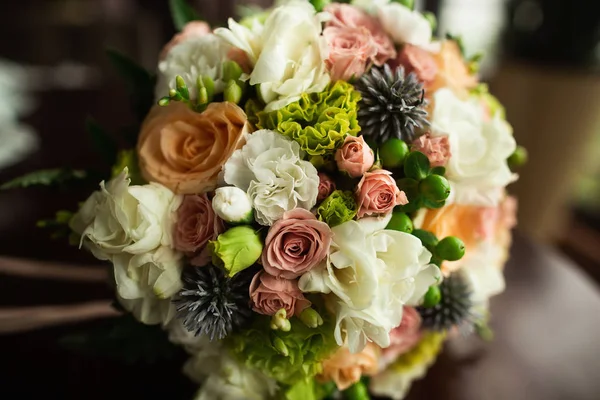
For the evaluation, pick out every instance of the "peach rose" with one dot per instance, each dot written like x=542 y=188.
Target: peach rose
x=355 y=157
x=453 y=71
x=190 y=30
x=345 y=368
x=404 y=337
x=185 y=150
x=377 y=193
x=417 y=60
x=270 y=294
x=347 y=16
x=350 y=49
x=295 y=244
x=437 y=149
x=196 y=225
x=326 y=187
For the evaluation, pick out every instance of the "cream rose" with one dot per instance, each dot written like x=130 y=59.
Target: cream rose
x=185 y=150
x=477 y=169
x=131 y=227
x=288 y=53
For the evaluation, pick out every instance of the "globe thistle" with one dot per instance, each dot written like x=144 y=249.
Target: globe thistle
x=212 y=304
x=392 y=105
x=454 y=309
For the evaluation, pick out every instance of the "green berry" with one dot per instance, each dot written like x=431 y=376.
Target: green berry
x=434 y=188
x=518 y=158
x=393 y=153
x=450 y=248
x=400 y=222
x=432 y=297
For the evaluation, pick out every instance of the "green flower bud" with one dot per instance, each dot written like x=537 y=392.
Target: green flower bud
x=280 y=322
x=182 y=87
x=450 y=248
x=358 y=391
x=164 y=101
x=393 y=153
x=432 y=297
x=400 y=222
x=237 y=249
x=231 y=71
x=233 y=92
x=338 y=208
x=434 y=188
x=518 y=158
x=430 y=17
x=280 y=346
x=311 y=318
x=319 y=5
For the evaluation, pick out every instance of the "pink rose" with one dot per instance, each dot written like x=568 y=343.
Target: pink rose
x=355 y=157
x=437 y=149
x=417 y=60
x=190 y=30
x=377 y=193
x=404 y=337
x=196 y=225
x=350 y=17
x=326 y=187
x=295 y=244
x=349 y=51
x=270 y=294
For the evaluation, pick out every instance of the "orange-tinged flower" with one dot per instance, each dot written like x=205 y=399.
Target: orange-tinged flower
x=453 y=71
x=185 y=150
x=345 y=368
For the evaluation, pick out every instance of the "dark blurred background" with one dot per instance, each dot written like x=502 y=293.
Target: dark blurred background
x=542 y=61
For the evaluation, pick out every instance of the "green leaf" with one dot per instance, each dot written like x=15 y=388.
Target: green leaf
x=140 y=82
x=45 y=177
x=416 y=166
x=125 y=339
x=182 y=13
x=104 y=144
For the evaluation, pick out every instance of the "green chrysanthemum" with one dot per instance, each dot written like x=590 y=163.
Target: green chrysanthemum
x=319 y=122
x=338 y=208
x=287 y=357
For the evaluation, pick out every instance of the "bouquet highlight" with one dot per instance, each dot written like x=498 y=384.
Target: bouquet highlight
x=314 y=200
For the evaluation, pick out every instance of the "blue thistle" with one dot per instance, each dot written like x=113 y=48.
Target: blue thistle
x=212 y=304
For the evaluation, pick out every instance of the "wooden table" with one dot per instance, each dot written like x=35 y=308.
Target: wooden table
x=546 y=347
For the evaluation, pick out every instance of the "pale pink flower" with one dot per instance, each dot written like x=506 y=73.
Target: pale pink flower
x=378 y=194
x=437 y=149
x=326 y=187
x=417 y=60
x=347 y=16
x=350 y=49
x=355 y=157
x=404 y=337
x=295 y=244
x=270 y=294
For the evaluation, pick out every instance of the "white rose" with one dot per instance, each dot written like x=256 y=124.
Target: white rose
x=233 y=205
x=288 y=53
x=224 y=378
x=482 y=270
x=371 y=274
x=180 y=336
x=270 y=168
x=131 y=227
x=198 y=56
x=405 y=25
x=146 y=283
x=478 y=168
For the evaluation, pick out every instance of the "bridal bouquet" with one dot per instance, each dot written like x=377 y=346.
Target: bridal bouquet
x=313 y=201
